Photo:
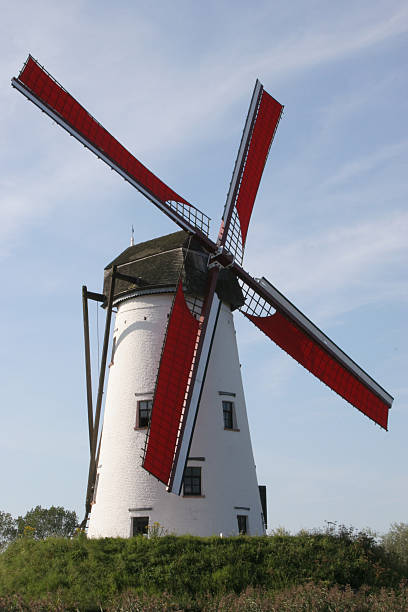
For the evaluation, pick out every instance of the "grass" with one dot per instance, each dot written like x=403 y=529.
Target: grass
x=342 y=569
x=302 y=598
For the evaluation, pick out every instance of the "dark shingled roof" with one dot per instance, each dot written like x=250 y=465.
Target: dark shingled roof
x=159 y=262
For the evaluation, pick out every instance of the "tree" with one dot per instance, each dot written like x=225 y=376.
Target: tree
x=48 y=522
x=8 y=529
x=395 y=542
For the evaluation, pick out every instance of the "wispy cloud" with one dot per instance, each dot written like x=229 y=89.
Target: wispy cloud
x=337 y=36
x=365 y=163
x=187 y=104
x=339 y=260
x=46 y=186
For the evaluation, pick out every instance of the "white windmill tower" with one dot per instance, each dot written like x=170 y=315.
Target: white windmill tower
x=174 y=362
x=220 y=491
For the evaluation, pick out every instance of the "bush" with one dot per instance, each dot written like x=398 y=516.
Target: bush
x=395 y=543
x=91 y=573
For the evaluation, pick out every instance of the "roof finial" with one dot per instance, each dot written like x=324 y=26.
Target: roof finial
x=132 y=237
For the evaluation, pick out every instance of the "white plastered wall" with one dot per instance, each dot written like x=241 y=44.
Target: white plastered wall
x=125 y=489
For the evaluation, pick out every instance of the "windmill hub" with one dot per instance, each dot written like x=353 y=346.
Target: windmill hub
x=222 y=259
x=158 y=264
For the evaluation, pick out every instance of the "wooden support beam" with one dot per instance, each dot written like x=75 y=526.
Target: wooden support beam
x=93 y=459
x=136 y=280
x=87 y=365
x=98 y=297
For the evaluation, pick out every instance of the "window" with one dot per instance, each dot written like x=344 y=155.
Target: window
x=228 y=412
x=192 y=481
x=144 y=410
x=242 y=524
x=262 y=494
x=140 y=525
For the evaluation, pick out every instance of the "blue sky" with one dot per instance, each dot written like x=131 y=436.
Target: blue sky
x=172 y=81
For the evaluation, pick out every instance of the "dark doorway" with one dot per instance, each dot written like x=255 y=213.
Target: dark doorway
x=242 y=524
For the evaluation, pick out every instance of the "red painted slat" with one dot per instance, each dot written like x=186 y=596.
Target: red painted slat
x=60 y=101
x=171 y=387
x=264 y=129
x=319 y=362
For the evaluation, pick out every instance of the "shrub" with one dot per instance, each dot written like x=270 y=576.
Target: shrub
x=395 y=543
x=90 y=573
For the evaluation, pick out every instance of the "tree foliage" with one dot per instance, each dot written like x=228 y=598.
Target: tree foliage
x=395 y=542
x=38 y=523
x=48 y=522
x=8 y=529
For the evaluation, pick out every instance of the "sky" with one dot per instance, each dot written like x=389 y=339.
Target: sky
x=172 y=81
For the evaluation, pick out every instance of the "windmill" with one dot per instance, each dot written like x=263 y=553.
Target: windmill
x=194 y=288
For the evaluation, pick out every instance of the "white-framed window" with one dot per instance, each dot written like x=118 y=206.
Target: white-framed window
x=192 y=481
x=143 y=413
x=228 y=414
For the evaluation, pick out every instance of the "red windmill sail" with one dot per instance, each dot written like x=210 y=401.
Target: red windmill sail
x=172 y=386
x=283 y=323
x=260 y=127
x=42 y=89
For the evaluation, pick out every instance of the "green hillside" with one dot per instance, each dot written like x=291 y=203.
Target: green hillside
x=188 y=571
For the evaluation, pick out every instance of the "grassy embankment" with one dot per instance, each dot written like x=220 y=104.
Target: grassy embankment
x=173 y=573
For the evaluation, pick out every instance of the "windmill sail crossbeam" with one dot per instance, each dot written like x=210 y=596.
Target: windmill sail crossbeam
x=43 y=90
x=281 y=321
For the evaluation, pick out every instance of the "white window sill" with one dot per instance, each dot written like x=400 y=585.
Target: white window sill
x=194 y=496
